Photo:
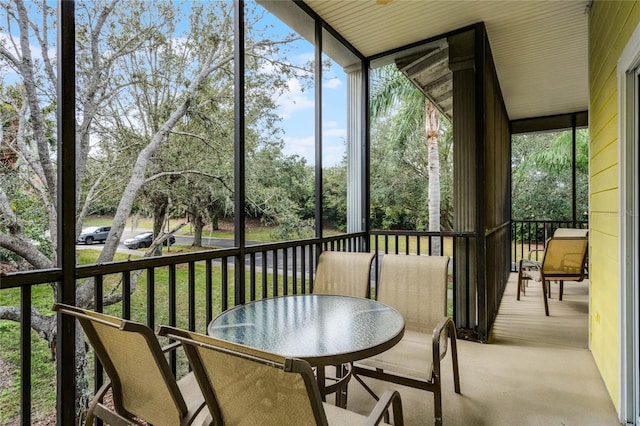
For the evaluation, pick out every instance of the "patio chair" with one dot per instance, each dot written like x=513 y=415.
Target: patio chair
x=343 y=273
x=246 y=386
x=417 y=287
x=141 y=383
x=571 y=232
x=563 y=260
x=574 y=232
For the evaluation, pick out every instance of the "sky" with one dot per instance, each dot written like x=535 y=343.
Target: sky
x=297 y=111
x=296 y=107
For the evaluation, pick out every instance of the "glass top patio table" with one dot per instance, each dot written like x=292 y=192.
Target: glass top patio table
x=321 y=329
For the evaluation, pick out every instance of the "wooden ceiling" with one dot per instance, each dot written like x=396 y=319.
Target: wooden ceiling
x=540 y=48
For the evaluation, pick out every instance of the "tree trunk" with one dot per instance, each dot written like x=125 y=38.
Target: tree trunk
x=198 y=226
x=432 y=128
x=159 y=211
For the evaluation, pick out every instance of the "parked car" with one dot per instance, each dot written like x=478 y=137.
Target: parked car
x=144 y=240
x=94 y=233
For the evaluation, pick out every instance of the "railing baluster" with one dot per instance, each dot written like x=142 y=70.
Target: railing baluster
x=285 y=271
x=98 y=372
x=151 y=297
x=192 y=295
x=252 y=276
x=172 y=312
x=295 y=270
x=208 y=291
x=312 y=266
x=312 y=263
x=126 y=295
x=376 y=261
x=225 y=284
x=263 y=257
x=274 y=271
x=25 y=354
x=303 y=269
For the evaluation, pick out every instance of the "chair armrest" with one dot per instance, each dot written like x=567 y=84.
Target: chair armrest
x=444 y=329
x=530 y=264
x=170 y=347
x=378 y=413
x=534 y=251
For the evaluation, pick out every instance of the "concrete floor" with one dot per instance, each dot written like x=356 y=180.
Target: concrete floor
x=536 y=370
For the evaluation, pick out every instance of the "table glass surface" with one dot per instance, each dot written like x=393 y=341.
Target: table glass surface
x=311 y=327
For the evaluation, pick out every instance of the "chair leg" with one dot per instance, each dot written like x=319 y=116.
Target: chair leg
x=519 y=283
x=544 y=294
x=437 y=405
x=454 y=357
x=561 y=289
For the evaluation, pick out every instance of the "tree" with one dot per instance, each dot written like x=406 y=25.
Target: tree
x=541 y=169
x=412 y=122
x=281 y=191
x=334 y=196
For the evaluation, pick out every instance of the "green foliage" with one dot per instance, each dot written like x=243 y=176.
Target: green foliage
x=399 y=156
x=280 y=191
x=541 y=175
x=334 y=197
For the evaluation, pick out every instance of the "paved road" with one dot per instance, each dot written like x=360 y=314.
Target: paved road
x=186 y=240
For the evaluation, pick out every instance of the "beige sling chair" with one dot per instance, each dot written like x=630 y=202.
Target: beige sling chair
x=245 y=386
x=343 y=273
x=417 y=287
x=563 y=260
x=563 y=233
x=571 y=232
x=142 y=385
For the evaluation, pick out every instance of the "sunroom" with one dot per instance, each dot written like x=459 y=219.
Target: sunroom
x=491 y=69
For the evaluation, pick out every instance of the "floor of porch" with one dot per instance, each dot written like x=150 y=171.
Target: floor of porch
x=536 y=370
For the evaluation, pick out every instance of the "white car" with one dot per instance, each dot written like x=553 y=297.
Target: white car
x=94 y=233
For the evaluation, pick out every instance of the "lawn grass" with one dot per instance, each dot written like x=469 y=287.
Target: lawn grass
x=43 y=368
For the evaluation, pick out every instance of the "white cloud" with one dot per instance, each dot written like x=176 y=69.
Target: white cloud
x=304 y=58
x=294 y=99
x=332 y=83
x=336 y=132
x=332 y=155
x=304 y=147
x=332 y=151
